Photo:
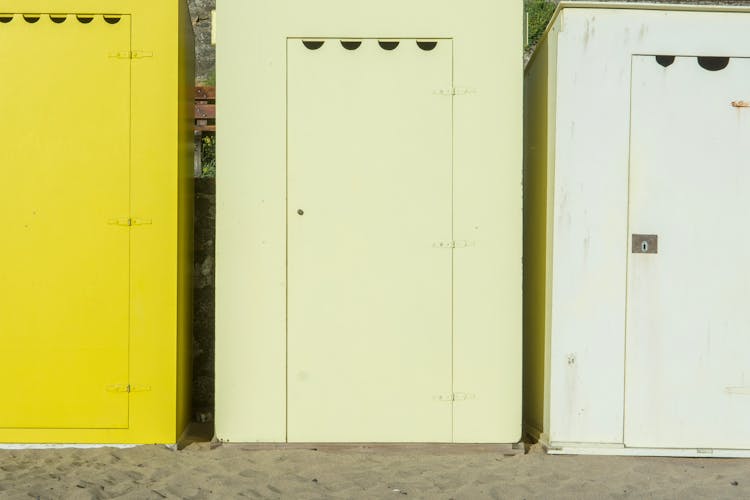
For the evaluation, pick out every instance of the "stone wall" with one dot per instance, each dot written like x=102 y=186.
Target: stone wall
x=203 y=298
x=205 y=230
x=205 y=55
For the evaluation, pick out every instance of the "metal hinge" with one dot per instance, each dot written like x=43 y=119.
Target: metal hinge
x=131 y=54
x=126 y=221
x=455 y=396
x=128 y=388
x=455 y=91
x=454 y=244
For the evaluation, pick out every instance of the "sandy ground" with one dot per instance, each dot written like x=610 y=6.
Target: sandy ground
x=239 y=471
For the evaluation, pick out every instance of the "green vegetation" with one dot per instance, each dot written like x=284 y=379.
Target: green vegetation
x=208 y=157
x=539 y=12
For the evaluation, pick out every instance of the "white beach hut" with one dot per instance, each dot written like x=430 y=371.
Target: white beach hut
x=637 y=190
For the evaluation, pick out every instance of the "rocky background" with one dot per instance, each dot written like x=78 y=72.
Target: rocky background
x=205 y=232
x=203 y=299
x=205 y=55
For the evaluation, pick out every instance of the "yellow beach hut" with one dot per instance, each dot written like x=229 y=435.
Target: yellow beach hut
x=96 y=215
x=369 y=221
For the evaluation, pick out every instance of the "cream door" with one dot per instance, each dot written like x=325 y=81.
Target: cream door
x=688 y=313
x=65 y=273
x=369 y=231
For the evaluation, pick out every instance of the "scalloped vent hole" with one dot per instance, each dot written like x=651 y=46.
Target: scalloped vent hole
x=351 y=44
x=112 y=19
x=313 y=44
x=31 y=19
x=665 y=61
x=713 y=63
x=85 y=19
x=428 y=46
x=58 y=19
x=387 y=45
x=5 y=18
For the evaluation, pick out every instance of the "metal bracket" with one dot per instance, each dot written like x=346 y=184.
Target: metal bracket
x=455 y=396
x=741 y=390
x=454 y=244
x=131 y=54
x=126 y=221
x=645 y=243
x=455 y=91
x=128 y=388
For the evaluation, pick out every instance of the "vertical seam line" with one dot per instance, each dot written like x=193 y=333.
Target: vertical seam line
x=453 y=250
x=627 y=260
x=286 y=246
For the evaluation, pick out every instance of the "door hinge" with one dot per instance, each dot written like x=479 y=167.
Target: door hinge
x=455 y=91
x=131 y=54
x=741 y=390
x=455 y=396
x=454 y=244
x=128 y=388
x=127 y=221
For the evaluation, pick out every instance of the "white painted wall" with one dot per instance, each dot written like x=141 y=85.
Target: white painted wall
x=590 y=231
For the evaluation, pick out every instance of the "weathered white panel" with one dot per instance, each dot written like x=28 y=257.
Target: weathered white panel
x=687 y=373
x=591 y=199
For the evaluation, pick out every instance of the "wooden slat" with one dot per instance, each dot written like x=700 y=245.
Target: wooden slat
x=205 y=93
x=205 y=111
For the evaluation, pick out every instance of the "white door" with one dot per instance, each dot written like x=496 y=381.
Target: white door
x=369 y=204
x=688 y=318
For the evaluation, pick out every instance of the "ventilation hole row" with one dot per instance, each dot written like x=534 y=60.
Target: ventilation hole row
x=355 y=44
x=707 y=63
x=57 y=18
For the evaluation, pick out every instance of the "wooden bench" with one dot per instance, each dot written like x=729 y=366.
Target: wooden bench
x=205 y=122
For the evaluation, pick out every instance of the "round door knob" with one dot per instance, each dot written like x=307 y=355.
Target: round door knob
x=300 y=212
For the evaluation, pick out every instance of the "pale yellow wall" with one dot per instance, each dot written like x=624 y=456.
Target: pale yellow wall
x=535 y=235
x=251 y=194
x=540 y=104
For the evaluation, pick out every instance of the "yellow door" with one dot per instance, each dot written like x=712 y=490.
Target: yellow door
x=369 y=239
x=64 y=277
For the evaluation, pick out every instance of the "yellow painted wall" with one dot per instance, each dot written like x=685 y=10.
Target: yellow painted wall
x=535 y=235
x=252 y=211
x=186 y=47
x=157 y=267
x=540 y=101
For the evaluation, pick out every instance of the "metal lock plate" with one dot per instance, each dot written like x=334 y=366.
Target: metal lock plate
x=645 y=243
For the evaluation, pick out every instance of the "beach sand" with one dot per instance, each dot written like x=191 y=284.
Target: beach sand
x=202 y=470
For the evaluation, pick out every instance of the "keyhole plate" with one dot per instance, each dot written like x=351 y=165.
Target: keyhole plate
x=645 y=243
